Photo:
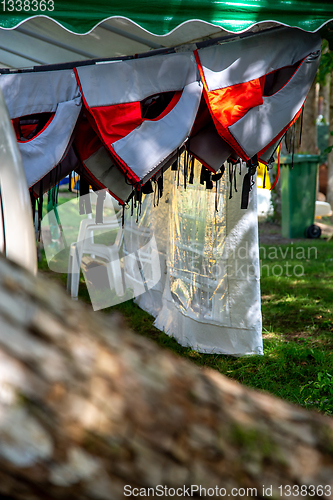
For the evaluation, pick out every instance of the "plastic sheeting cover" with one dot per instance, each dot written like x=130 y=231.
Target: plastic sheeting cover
x=209 y=294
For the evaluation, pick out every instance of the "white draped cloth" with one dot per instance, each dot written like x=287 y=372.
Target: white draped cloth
x=208 y=297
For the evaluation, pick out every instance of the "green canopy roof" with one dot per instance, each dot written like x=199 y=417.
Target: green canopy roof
x=80 y=16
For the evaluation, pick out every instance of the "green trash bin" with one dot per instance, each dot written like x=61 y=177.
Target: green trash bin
x=298 y=195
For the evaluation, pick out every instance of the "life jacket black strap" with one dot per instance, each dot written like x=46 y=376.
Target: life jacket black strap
x=160 y=186
x=191 y=179
x=147 y=188
x=246 y=190
x=248 y=181
x=84 y=201
x=230 y=179
x=235 y=182
x=209 y=182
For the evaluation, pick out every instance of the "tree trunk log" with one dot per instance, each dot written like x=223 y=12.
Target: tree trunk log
x=309 y=128
x=324 y=99
x=329 y=195
x=87 y=407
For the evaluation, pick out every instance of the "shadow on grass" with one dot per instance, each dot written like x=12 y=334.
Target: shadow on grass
x=297 y=327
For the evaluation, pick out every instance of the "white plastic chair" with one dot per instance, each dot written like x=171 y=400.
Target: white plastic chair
x=140 y=268
x=85 y=245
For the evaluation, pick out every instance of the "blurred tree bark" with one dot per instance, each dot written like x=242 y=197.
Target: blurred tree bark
x=309 y=129
x=87 y=407
x=324 y=99
x=325 y=73
x=329 y=196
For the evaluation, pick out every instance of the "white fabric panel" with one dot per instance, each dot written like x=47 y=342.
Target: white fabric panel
x=151 y=143
x=261 y=124
x=209 y=147
x=46 y=150
x=249 y=58
x=101 y=166
x=40 y=40
x=242 y=250
x=222 y=303
x=134 y=80
x=29 y=93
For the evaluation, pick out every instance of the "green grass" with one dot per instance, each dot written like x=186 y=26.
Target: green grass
x=297 y=326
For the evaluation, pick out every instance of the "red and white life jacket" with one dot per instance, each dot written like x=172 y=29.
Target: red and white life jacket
x=255 y=87
x=44 y=108
x=98 y=167
x=142 y=109
x=205 y=144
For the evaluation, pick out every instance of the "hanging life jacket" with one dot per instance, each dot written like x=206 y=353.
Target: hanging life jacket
x=255 y=87
x=142 y=109
x=44 y=108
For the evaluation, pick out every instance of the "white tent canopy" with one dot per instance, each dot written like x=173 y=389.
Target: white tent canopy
x=41 y=41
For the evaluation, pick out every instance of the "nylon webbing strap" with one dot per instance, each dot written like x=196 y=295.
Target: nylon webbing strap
x=191 y=180
x=84 y=202
x=174 y=166
x=40 y=207
x=206 y=177
x=247 y=182
x=216 y=177
x=246 y=190
x=147 y=188
x=160 y=186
